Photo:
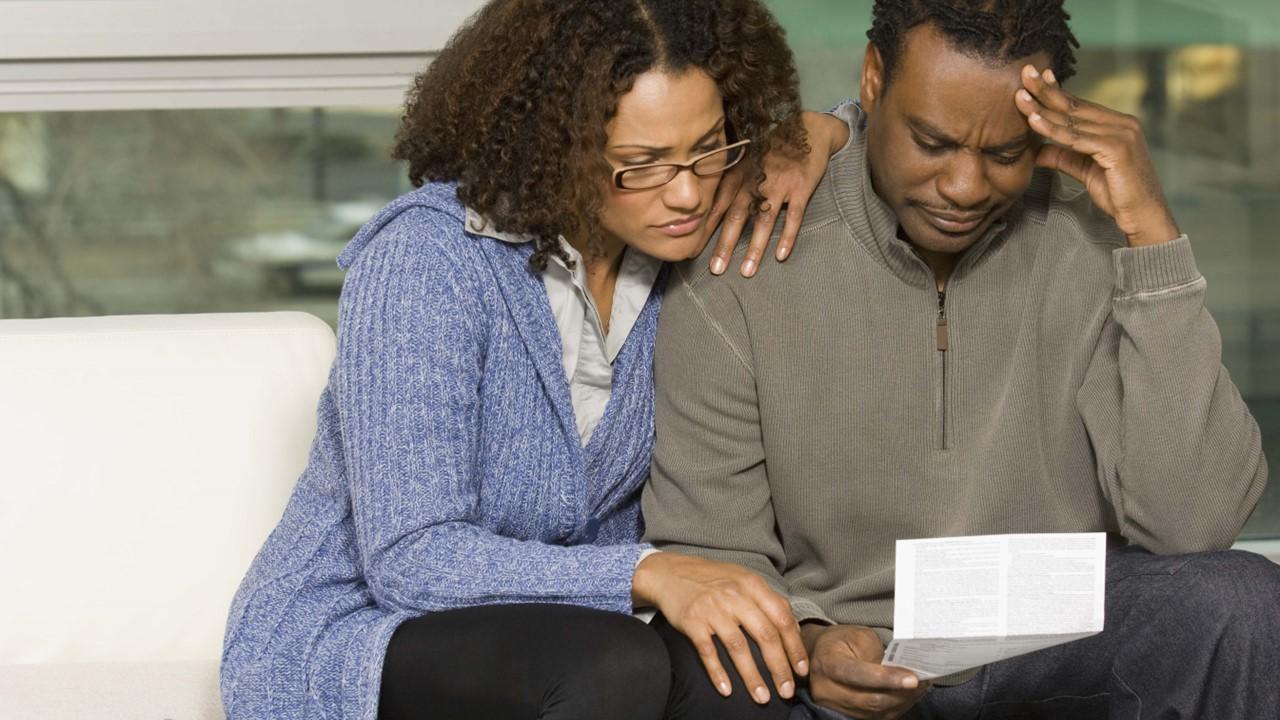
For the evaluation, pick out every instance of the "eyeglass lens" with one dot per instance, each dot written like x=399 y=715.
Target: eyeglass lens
x=645 y=178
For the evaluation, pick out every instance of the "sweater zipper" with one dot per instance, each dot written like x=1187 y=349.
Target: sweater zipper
x=944 y=342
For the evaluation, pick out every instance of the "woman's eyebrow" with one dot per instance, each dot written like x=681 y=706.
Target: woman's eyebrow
x=715 y=130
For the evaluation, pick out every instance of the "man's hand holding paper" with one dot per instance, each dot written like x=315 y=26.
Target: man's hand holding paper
x=847 y=675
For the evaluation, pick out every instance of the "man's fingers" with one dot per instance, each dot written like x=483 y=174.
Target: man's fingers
x=1085 y=138
x=1048 y=93
x=706 y=648
x=871 y=676
x=739 y=650
x=1076 y=125
x=1066 y=160
x=858 y=703
x=1044 y=87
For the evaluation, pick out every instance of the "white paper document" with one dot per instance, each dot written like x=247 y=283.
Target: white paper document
x=963 y=602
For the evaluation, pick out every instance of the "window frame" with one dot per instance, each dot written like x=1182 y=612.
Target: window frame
x=77 y=55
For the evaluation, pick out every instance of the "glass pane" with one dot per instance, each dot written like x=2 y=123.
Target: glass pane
x=1202 y=78
x=186 y=210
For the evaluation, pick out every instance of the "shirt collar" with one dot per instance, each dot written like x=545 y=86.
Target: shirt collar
x=637 y=267
x=478 y=224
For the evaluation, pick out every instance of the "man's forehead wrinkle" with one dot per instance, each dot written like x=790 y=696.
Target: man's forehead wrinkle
x=977 y=133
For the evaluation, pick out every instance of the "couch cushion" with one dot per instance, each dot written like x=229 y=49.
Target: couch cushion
x=143 y=461
x=111 y=691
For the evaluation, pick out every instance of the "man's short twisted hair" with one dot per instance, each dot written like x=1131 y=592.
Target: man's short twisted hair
x=1000 y=30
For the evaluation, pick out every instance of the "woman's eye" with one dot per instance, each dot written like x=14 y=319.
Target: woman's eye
x=1009 y=159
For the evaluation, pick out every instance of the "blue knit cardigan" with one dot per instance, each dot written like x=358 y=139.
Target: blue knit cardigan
x=446 y=471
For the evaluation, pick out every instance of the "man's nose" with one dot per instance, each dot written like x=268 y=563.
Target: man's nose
x=964 y=183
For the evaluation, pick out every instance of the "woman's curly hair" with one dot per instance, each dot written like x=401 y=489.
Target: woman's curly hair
x=515 y=108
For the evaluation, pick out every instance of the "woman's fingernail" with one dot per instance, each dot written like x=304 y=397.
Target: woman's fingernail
x=788 y=688
x=762 y=695
x=802 y=667
x=749 y=268
x=1024 y=95
x=724 y=688
x=1050 y=77
x=1034 y=73
x=910 y=682
x=717 y=266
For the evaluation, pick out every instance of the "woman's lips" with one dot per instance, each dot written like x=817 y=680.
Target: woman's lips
x=682 y=227
x=954 y=223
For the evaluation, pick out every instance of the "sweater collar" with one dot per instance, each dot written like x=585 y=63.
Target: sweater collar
x=848 y=193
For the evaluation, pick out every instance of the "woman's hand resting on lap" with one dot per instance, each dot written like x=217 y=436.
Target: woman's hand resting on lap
x=703 y=598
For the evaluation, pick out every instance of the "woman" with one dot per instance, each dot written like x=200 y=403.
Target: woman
x=464 y=541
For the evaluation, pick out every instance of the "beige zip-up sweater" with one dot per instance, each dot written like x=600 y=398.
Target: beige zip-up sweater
x=810 y=417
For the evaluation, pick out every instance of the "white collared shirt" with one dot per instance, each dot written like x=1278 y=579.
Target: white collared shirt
x=588 y=352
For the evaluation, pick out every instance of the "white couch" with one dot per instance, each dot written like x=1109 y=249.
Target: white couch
x=143 y=461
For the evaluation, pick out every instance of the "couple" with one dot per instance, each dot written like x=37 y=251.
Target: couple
x=958 y=344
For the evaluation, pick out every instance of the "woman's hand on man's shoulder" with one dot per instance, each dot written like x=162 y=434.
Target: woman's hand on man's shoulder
x=789 y=182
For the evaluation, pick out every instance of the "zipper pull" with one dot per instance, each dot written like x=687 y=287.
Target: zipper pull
x=943 y=340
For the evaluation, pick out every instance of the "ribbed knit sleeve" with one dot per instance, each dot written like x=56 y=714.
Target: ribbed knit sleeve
x=708 y=493
x=411 y=354
x=1179 y=455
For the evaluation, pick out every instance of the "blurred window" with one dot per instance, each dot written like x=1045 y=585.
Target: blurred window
x=186 y=210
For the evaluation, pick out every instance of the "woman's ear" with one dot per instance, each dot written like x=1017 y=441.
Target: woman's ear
x=871 y=82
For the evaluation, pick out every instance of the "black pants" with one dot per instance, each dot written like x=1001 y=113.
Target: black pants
x=553 y=662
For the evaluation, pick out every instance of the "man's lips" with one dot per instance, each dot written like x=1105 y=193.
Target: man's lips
x=682 y=226
x=954 y=222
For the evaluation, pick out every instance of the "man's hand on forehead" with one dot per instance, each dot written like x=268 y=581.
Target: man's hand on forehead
x=1105 y=150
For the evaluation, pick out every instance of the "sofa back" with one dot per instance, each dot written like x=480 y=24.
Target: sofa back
x=143 y=461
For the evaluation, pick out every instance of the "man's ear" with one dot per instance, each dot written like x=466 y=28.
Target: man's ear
x=871 y=82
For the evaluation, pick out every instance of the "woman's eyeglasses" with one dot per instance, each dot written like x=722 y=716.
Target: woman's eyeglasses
x=653 y=175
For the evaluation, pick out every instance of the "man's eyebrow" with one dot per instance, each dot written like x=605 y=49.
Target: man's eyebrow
x=1015 y=144
x=715 y=130
x=923 y=127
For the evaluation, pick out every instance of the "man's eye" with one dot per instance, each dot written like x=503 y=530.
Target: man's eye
x=930 y=147
x=1009 y=159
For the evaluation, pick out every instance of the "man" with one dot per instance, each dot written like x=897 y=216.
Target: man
x=961 y=344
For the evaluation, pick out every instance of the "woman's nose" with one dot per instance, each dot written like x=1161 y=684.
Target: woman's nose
x=684 y=192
